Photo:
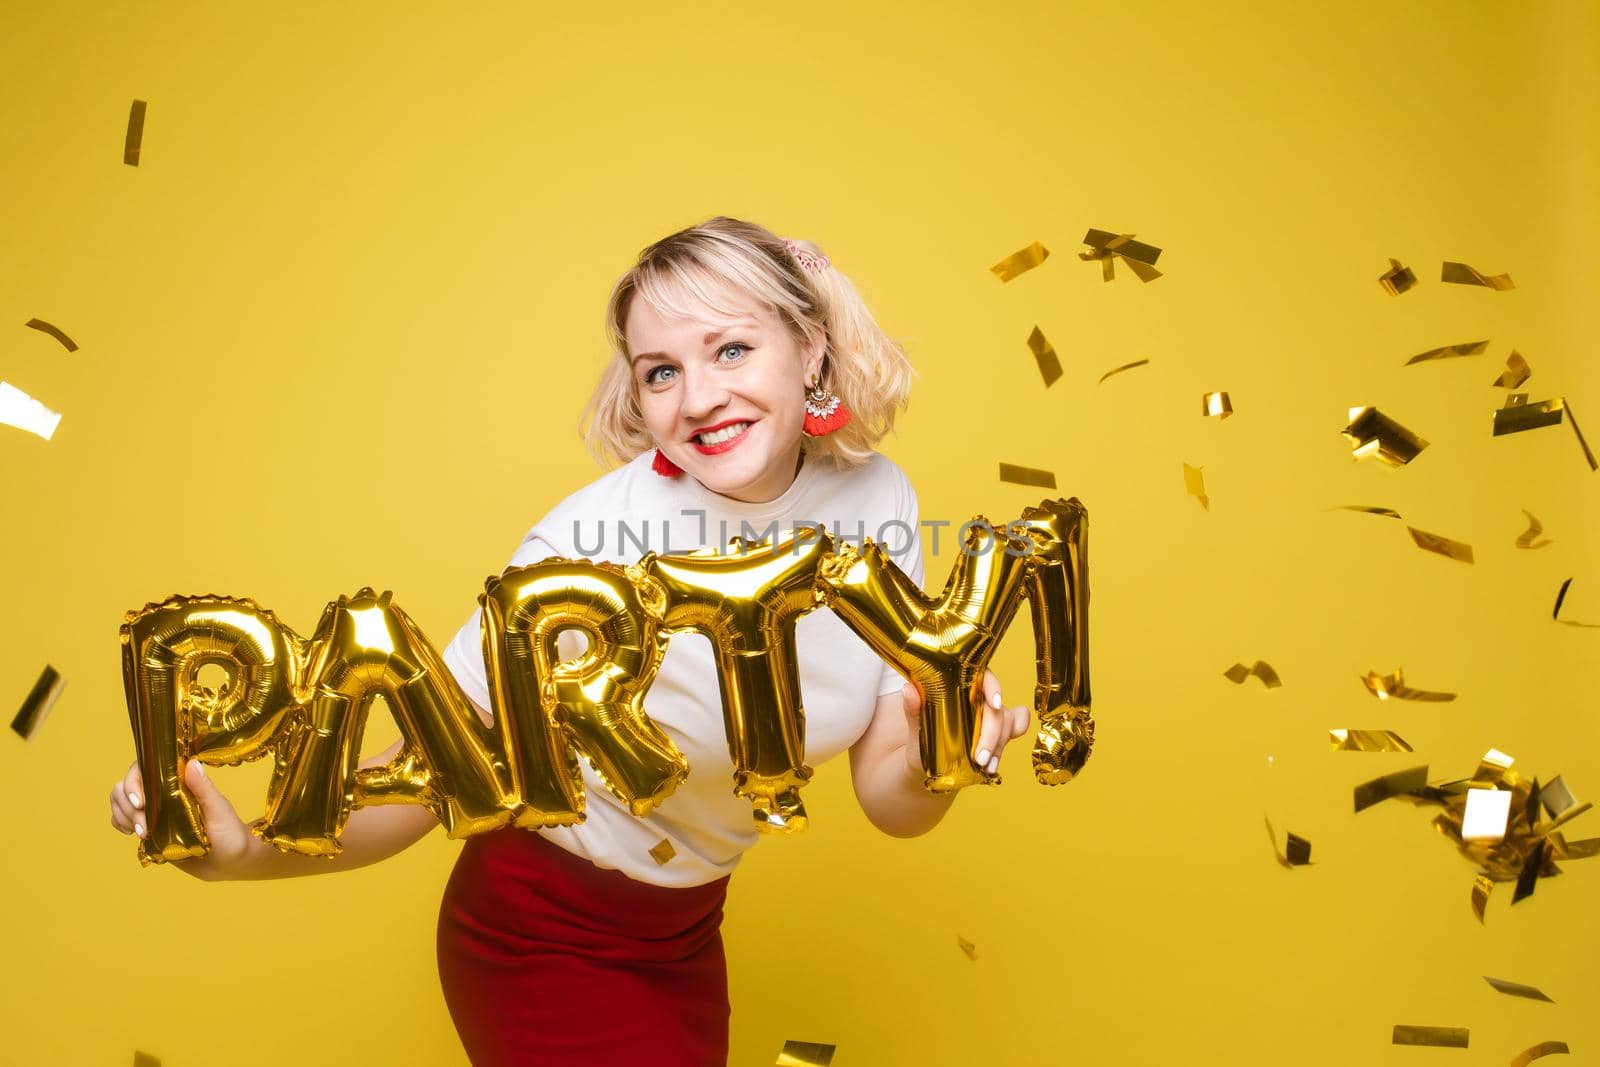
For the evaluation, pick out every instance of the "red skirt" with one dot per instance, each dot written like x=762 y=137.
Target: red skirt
x=547 y=959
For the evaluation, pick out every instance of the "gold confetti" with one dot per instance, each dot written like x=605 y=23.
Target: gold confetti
x=1397 y=279
x=144 y=1059
x=1443 y=546
x=1388 y=513
x=135 y=139
x=1588 y=455
x=1466 y=348
x=1108 y=247
x=1045 y=354
x=1238 y=673
x=1296 y=854
x=44 y=327
x=1486 y=815
x=805 y=1054
x=1119 y=370
x=1562 y=849
x=25 y=413
x=1010 y=472
x=1371 y=433
x=1556 y=798
x=1532 y=867
x=968 y=947
x=1437 y=1036
x=1393 y=687
x=38 y=702
x=1367 y=741
x=1561 y=594
x=1539 y=1051
x=1216 y=404
x=662 y=852
x=1194 y=482
x=1535 y=528
x=1461 y=274
x=1517 y=989
x=1020 y=262
x=1482 y=886
x=1517 y=415
x=1517 y=371
x=1397 y=784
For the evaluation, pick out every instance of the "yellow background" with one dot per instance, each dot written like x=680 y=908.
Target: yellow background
x=338 y=325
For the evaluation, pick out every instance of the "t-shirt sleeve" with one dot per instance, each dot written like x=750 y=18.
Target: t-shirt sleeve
x=908 y=560
x=464 y=655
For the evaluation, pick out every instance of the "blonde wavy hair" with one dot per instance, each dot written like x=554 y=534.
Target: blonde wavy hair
x=715 y=263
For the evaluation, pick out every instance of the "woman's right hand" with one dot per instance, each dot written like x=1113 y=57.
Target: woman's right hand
x=231 y=840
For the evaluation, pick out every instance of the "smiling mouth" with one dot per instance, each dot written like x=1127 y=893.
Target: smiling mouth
x=710 y=442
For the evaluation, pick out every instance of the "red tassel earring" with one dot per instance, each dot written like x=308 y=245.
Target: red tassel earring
x=825 y=412
x=664 y=466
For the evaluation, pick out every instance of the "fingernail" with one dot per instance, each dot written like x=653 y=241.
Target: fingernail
x=138 y=828
x=994 y=764
x=201 y=767
x=133 y=798
x=983 y=756
x=994 y=699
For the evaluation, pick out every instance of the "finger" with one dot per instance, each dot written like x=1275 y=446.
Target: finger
x=133 y=786
x=991 y=689
x=1020 y=720
x=991 y=735
x=912 y=696
x=215 y=808
x=123 y=815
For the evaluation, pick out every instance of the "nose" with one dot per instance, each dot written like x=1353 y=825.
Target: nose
x=703 y=394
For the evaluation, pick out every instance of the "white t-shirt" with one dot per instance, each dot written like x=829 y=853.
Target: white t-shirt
x=631 y=510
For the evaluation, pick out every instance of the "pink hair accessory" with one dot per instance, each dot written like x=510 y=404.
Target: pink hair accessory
x=814 y=262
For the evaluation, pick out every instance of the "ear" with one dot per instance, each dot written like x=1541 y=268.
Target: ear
x=813 y=353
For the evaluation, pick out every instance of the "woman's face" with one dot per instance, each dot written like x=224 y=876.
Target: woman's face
x=723 y=397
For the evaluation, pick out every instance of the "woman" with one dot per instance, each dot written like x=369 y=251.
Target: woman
x=748 y=386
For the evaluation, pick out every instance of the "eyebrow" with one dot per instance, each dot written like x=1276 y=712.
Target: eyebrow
x=706 y=340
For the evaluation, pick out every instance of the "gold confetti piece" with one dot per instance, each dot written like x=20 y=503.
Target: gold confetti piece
x=1397 y=279
x=1461 y=274
x=1119 y=370
x=144 y=1059
x=1388 y=513
x=38 y=702
x=662 y=851
x=1045 y=354
x=1297 y=852
x=1539 y=1051
x=1393 y=687
x=1561 y=594
x=1535 y=528
x=1020 y=262
x=1486 y=815
x=1528 y=876
x=1517 y=371
x=1010 y=472
x=1367 y=741
x=1562 y=849
x=44 y=327
x=968 y=947
x=135 y=140
x=1517 y=989
x=805 y=1054
x=25 y=413
x=1371 y=433
x=1518 y=415
x=1261 y=669
x=1443 y=546
x=1195 y=483
x=1482 y=886
x=1588 y=454
x=1216 y=404
x=1556 y=798
x=1108 y=247
x=1436 y=1036
x=1391 y=785
x=1466 y=348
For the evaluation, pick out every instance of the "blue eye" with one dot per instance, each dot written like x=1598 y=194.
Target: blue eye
x=650 y=376
x=741 y=347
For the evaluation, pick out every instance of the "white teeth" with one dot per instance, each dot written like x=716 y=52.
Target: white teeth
x=727 y=433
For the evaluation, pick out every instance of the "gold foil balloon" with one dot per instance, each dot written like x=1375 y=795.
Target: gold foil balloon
x=548 y=709
x=942 y=644
x=747 y=602
x=1058 y=594
x=174 y=717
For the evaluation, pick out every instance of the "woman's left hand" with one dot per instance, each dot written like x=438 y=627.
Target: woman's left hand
x=999 y=725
